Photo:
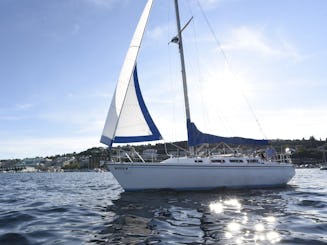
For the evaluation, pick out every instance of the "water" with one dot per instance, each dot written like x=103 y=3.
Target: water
x=90 y=208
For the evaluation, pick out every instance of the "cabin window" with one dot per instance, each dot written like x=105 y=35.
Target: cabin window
x=235 y=160
x=198 y=160
x=252 y=161
x=218 y=160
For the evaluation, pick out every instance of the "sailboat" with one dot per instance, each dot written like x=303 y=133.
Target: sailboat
x=129 y=120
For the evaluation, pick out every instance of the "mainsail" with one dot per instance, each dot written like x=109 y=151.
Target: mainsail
x=196 y=137
x=128 y=119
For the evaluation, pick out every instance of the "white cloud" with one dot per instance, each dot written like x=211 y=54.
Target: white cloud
x=24 y=106
x=210 y=4
x=91 y=127
x=90 y=94
x=104 y=3
x=32 y=147
x=286 y=123
x=75 y=29
x=80 y=122
x=11 y=118
x=156 y=33
x=257 y=41
x=10 y=112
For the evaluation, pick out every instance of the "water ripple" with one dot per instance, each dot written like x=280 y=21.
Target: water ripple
x=91 y=208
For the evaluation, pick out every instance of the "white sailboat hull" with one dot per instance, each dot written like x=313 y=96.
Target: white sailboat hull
x=138 y=176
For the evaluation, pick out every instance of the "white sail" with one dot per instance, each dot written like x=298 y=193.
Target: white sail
x=128 y=119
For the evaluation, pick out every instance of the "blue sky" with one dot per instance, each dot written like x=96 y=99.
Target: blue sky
x=60 y=61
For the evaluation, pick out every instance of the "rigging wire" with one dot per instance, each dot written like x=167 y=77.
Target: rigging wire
x=229 y=65
x=200 y=78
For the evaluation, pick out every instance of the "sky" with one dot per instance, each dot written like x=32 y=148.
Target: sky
x=255 y=69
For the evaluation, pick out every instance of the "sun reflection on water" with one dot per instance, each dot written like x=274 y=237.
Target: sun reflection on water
x=239 y=240
x=233 y=203
x=233 y=226
x=216 y=207
x=246 y=228
x=273 y=236
x=245 y=218
x=219 y=206
x=270 y=219
x=259 y=227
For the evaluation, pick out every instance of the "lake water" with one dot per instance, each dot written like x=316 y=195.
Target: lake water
x=91 y=208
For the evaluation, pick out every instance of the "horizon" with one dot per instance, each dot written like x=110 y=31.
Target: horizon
x=144 y=145
x=60 y=62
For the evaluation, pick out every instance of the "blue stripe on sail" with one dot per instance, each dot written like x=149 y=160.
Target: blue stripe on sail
x=154 y=130
x=130 y=139
x=196 y=137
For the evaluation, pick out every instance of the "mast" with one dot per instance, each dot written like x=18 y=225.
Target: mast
x=181 y=53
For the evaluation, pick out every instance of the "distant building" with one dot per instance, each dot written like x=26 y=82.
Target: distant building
x=69 y=161
x=31 y=162
x=29 y=170
x=84 y=161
